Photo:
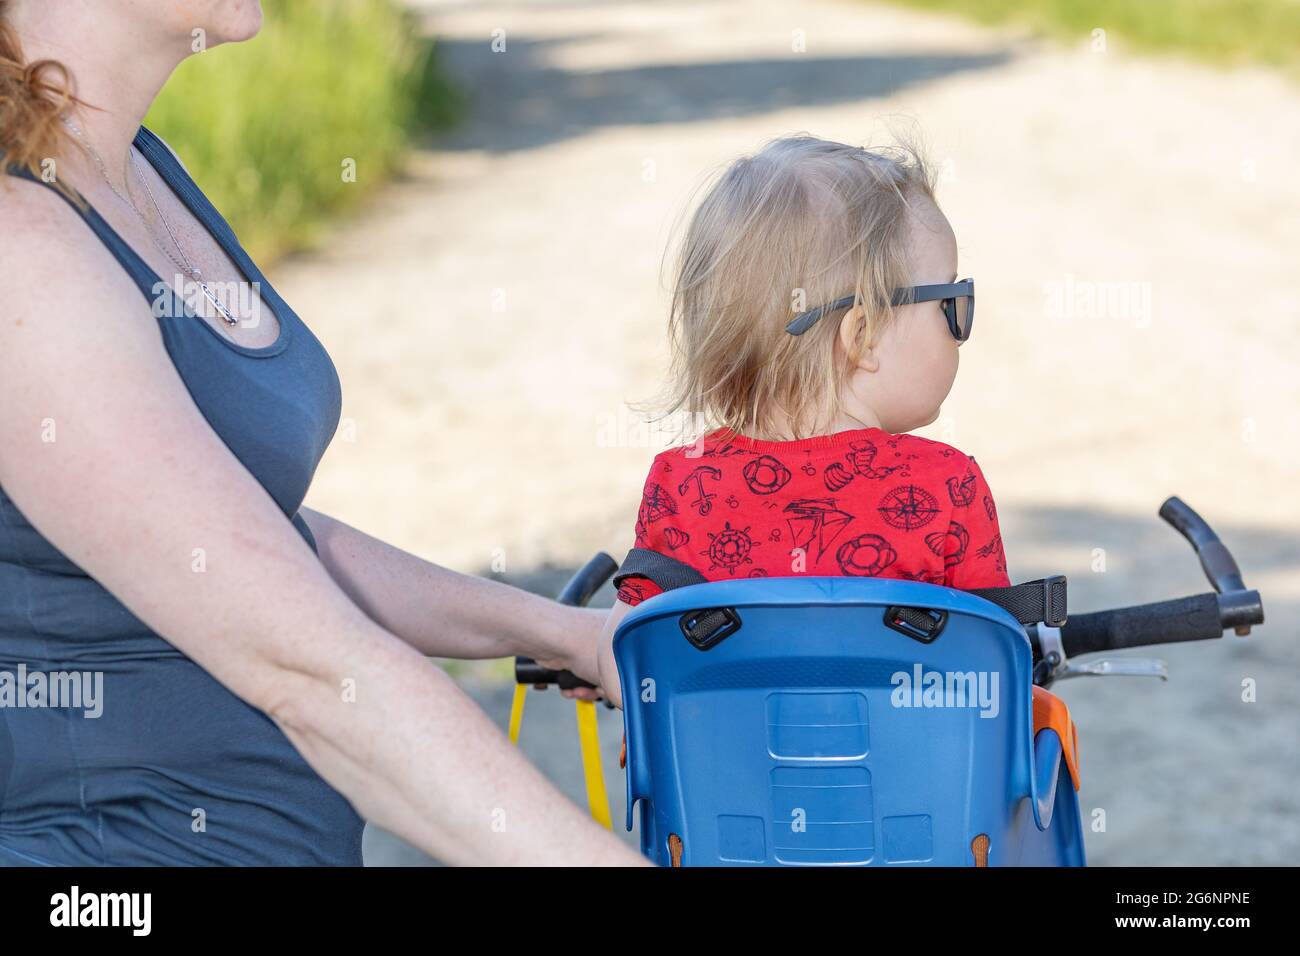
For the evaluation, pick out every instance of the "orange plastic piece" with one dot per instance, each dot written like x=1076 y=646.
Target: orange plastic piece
x=675 y=849
x=1050 y=712
x=622 y=755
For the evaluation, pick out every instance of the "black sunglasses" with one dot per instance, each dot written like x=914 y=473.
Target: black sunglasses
x=958 y=300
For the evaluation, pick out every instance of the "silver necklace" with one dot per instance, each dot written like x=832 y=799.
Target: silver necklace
x=183 y=263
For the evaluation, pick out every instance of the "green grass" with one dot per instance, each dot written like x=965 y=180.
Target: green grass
x=265 y=127
x=1227 y=32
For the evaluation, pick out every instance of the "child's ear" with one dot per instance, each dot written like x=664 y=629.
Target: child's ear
x=853 y=340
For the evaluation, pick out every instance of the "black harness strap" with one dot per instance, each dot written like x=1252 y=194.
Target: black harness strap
x=1030 y=602
x=668 y=573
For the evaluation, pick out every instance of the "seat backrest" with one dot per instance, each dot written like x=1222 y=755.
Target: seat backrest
x=826 y=729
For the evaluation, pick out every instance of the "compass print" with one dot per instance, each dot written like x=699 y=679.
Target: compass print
x=908 y=507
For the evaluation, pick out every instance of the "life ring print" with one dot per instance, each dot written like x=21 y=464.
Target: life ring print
x=865 y=556
x=765 y=475
x=908 y=507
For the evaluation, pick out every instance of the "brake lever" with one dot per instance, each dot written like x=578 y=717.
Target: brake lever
x=1115 y=667
x=1056 y=666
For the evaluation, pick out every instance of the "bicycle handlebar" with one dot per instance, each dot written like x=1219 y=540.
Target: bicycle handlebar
x=584 y=583
x=588 y=580
x=1197 y=618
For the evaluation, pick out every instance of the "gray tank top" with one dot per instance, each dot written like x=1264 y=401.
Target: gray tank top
x=174 y=769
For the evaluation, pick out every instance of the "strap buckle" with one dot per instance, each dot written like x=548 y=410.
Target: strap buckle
x=1054 y=598
x=708 y=626
x=922 y=624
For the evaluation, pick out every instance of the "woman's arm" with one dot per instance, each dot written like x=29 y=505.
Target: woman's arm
x=445 y=614
x=135 y=481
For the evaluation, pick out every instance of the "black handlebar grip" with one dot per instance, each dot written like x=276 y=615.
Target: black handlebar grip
x=1216 y=560
x=588 y=580
x=1193 y=618
x=528 y=671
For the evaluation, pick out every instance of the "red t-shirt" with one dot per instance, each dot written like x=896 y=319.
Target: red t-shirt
x=865 y=502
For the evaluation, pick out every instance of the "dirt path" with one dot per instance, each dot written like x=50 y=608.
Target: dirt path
x=1133 y=225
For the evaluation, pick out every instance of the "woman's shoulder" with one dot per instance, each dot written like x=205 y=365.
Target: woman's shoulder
x=56 y=278
x=32 y=212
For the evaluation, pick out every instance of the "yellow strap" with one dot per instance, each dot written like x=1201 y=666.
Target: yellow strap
x=589 y=739
x=517 y=712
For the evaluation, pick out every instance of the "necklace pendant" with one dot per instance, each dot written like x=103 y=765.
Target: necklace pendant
x=226 y=315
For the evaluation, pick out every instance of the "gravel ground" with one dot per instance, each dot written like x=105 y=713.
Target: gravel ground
x=1132 y=223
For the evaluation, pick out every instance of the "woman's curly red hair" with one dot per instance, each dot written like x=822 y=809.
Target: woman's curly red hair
x=33 y=97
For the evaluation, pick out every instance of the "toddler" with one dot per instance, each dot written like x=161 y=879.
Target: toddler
x=816 y=317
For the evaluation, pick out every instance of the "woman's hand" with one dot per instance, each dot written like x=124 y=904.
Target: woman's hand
x=579 y=654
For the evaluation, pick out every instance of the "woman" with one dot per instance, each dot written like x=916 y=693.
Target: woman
x=263 y=666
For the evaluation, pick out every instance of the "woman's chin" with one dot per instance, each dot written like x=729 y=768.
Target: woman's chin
x=245 y=25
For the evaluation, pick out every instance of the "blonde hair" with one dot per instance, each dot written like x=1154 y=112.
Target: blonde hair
x=799 y=224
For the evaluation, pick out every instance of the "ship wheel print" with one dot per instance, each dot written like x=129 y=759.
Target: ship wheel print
x=729 y=548
x=908 y=507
